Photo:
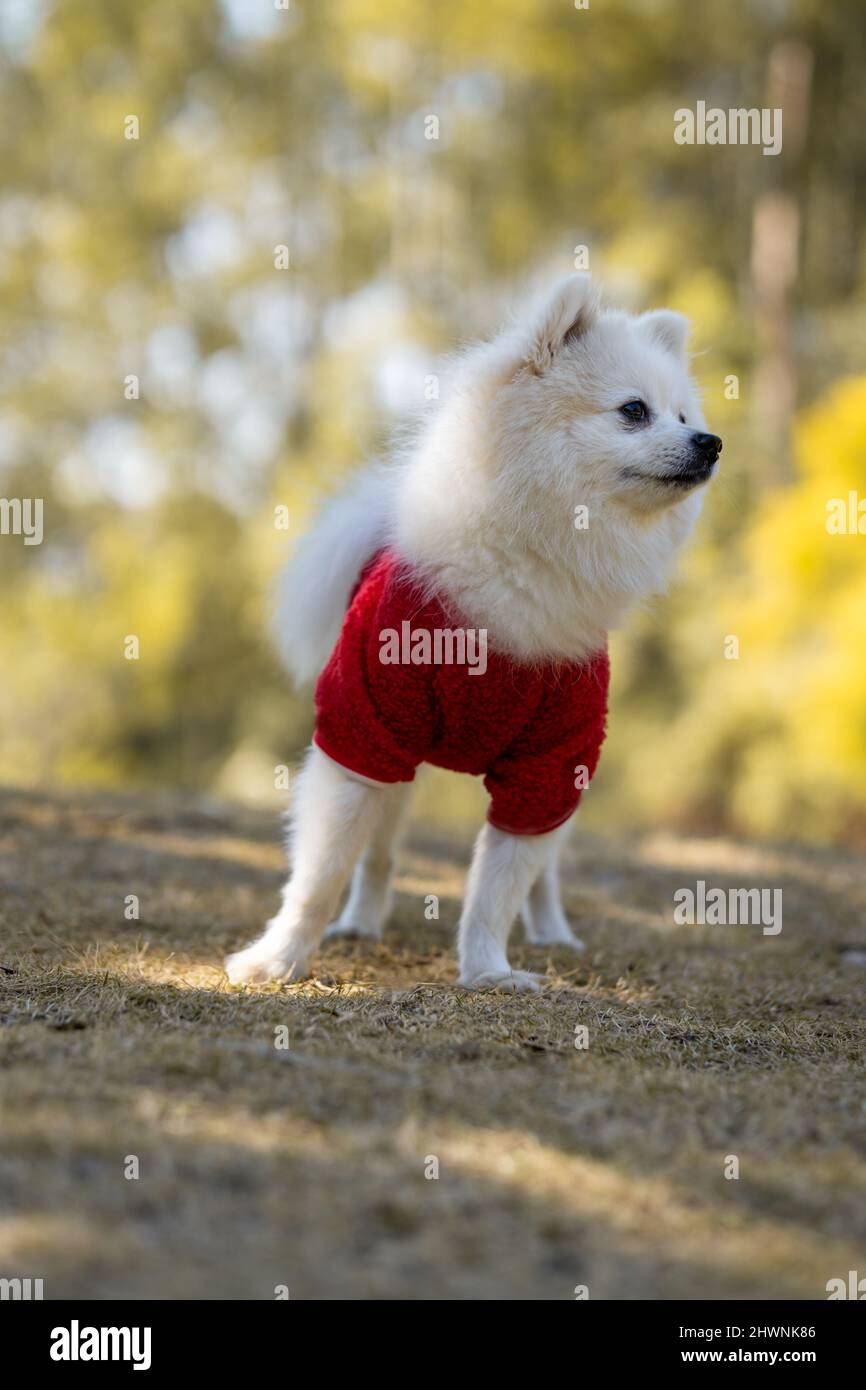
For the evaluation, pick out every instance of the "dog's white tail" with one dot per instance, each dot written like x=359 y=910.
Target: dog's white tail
x=313 y=590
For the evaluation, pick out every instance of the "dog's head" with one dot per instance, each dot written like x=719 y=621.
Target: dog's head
x=605 y=400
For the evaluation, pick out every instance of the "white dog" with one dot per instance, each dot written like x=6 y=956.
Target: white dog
x=465 y=593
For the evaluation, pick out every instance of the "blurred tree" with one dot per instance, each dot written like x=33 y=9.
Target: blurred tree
x=233 y=236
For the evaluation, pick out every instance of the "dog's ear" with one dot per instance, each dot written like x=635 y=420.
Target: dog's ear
x=667 y=329
x=560 y=319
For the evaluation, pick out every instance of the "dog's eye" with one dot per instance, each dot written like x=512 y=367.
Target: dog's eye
x=636 y=412
x=682 y=418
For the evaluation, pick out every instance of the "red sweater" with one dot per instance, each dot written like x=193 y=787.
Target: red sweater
x=535 y=732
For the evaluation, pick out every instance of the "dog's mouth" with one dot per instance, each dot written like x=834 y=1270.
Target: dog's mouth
x=683 y=479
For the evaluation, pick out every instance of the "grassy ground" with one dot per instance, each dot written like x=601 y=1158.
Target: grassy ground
x=305 y=1167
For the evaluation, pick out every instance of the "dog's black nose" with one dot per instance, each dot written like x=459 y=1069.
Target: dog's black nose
x=709 y=445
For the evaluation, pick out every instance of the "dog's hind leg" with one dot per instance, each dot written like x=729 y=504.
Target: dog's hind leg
x=543 y=916
x=333 y=815
x=504 y=868
x=370 y=895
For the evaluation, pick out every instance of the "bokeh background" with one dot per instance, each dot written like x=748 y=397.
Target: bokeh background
x=168 y=382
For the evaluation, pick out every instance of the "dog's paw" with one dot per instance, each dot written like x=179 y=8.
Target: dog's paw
x=572 y=942
x=353 y=931
x=512 y=980
x=555 y=934
x=253 y=966
x=550 y=928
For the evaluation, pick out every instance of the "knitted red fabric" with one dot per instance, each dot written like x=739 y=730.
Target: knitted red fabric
x=533 y=732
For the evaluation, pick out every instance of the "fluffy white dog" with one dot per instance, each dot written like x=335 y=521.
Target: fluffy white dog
x=547 y=496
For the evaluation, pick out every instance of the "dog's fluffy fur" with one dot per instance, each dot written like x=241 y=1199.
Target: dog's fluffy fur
x=482 y=506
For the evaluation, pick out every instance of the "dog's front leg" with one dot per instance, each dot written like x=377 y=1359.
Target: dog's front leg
x=332 y=817
x=504 y=867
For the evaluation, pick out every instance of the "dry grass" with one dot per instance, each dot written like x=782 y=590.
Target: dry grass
x=305 y=1167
